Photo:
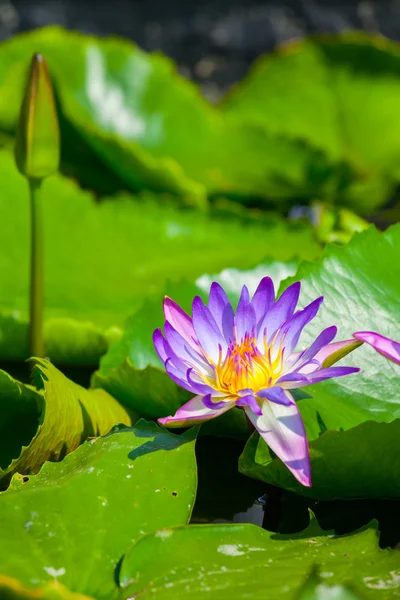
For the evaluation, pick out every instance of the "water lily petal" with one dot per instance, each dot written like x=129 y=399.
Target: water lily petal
x=251 y=402
x=293 y=328
x=222 y=310
x=180 y=378
x=159 y=345
x=192 y=413
x=207 y=330
x=208 y=402
x=245 y=319
x=179 y=320
x=333 y=352
x=384 y=345
x=263 y=298
x=184 y=351
x=277 y=394
x=279 y=313
x=328 y=373
x=198 y=383
x=283 y=430
x=165 y=352
x=323 y=339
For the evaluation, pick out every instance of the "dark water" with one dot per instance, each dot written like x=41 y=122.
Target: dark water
x=224 y=495
x=213 y=41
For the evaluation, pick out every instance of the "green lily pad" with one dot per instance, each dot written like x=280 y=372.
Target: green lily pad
x=357 y=456
x=243 y=561
x=75 y=520
x=153 y=128
x=326 y=91
x=315 y=588
x=51 y=420
x=104 y=259
x=361 y=286
x=363 y=462
x=131 y=370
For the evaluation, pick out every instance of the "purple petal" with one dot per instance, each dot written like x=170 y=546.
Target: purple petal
x=221 y=310
x=208 y=402
x=333 y=352
x=198 y=383
x=159 y=345
x=283 y=430
x=263 y=298
x=251 y=402
x=192 y=413
x=183 y=351
x=322 y=374
x=245 y=319
x=279 y=313
x=181 y=379
x=179 y=320
x=293 y=380
x=165 y=352
x=324 y=338
x=292 y=329
x=207 y=330
x=385 y=346
x=277 y=395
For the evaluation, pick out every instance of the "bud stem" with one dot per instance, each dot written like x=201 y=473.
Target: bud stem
x=36 y=343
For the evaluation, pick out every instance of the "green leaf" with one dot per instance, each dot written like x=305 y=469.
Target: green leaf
x=362 y=462
x=243 y=561
x=75 y=519
x=131 y=370
x=50 y=421
x=359 y=458
x=11 y=589
x=153 y=128
x=326 y=91
x=361 y=286
x=315 y=588
x=104 y=259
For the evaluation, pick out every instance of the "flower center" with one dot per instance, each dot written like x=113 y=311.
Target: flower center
x=246 y=367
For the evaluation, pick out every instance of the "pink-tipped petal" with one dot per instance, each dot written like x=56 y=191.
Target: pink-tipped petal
x=179 y=320
x=283 y=430
x=331 y=353
x=384 y=345
x=193 y=413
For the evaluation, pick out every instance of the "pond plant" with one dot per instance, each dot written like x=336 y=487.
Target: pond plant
x=282 y=477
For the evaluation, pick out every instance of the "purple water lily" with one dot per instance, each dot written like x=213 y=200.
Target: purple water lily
x=385 y=346
x=248 y=359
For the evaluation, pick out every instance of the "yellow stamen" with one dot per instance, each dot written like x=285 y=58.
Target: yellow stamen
x=246 y=367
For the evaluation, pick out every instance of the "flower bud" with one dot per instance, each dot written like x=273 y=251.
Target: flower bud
x=37 y=149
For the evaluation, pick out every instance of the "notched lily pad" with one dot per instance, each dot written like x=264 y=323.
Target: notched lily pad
x=221 y=562
x=48 y=421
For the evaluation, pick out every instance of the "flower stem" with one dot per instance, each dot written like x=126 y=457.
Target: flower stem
x=36 y=344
